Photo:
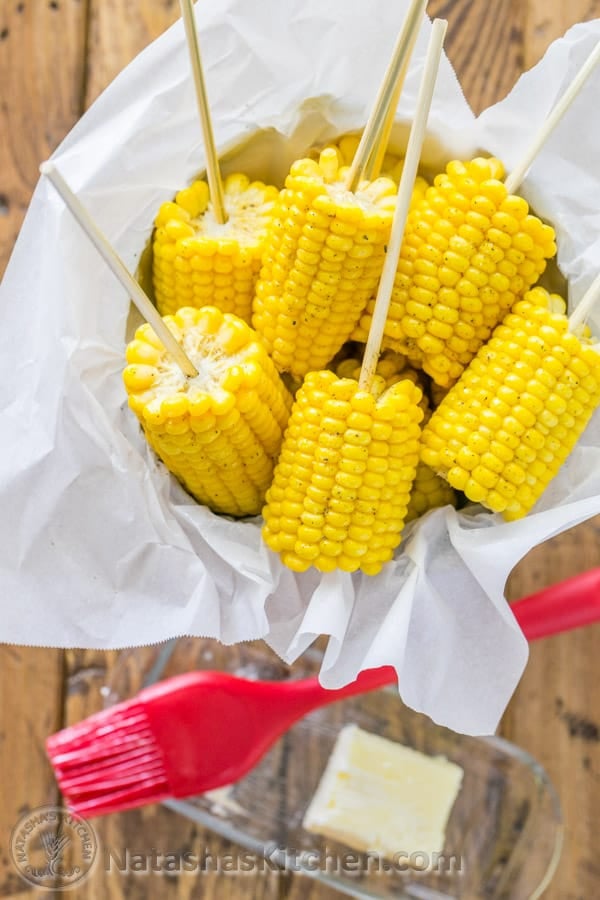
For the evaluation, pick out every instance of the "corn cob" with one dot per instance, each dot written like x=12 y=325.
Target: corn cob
x=502 y=432
x=470 y=251
x=429 y=490
x=197 y=261
x=341 y=486
x=323 y=259
x=219 y=433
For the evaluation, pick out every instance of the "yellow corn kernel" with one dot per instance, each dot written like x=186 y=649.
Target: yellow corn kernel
x=429 y=491
x=499 y=435
x=356 y=512
x=197 y=261
x=470 y=228
x=220 y=432
x=323 y=257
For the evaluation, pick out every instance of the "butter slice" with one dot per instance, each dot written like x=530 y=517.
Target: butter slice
x=379 y=796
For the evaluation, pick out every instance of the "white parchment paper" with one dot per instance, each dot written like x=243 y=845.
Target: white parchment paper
x=99 y=546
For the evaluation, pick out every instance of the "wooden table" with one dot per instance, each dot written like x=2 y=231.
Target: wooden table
x=55 y=58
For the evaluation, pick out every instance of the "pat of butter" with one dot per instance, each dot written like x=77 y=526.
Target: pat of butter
x=377 y=795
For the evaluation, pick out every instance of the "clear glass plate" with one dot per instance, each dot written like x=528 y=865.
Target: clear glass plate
x=504 y=835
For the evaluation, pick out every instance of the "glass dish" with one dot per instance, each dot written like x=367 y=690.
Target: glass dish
x=504 y=834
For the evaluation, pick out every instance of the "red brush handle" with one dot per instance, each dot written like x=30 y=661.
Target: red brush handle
x=561 y=607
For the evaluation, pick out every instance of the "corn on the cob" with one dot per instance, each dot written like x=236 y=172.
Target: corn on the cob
x=197 y=261
x=323 y=259
x=220 y=432
x=341 y=486
x=470 y=251
x=502 y=432
x=429 y=490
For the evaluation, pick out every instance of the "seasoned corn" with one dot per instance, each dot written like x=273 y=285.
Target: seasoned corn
x=502 y=432
x=429 y=490
x=343 y=479
x=220 y=432
x=199 y=262
x=323 y=260
x=470 y=251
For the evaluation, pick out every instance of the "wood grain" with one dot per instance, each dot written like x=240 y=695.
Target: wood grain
x=42 y=60
x=42 y=63
x=544 y=22
x=485 y=45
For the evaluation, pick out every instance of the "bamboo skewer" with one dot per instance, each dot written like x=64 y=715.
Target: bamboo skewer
x=515 y=179
x=213 y=172
x=409 y=172
x=378 y=127
x=118 y=268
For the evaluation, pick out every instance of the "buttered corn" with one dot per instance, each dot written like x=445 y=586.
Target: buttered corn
x=502 y=432
x=199 y=262
x=428 y=490
x=341 y=487
x=220 y=432
x=470 y=251
x=323 y=259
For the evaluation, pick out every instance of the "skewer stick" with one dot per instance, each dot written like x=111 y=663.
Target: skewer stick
x=584 y=308
x=117 y=266
x=514 y=180
x=409 y=173
x=213 y=172
x=373 y=165
x=382 y=114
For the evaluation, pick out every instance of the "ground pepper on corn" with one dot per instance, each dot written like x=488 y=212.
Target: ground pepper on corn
x=429 y=490
x=199 y=262
x=219 y=433
x=342 y=483
x=470 y=251
x=503 y=431
x=323 y=260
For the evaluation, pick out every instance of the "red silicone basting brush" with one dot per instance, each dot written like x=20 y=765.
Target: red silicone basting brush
x=196 y=732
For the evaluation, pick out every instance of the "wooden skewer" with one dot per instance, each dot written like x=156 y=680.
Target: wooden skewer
x=117 y=266
x=405 y=190
x=372 y=168
x=515 y=179
x=584 y=308
x=382 y=114
x=213 y=172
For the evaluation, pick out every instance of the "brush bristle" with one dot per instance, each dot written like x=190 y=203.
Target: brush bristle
x=109 y=762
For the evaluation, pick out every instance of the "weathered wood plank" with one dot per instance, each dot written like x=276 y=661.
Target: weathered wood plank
x=42 y=61
x=42 y=65
x=544 y=22
x=30 y=709
x=484 y=44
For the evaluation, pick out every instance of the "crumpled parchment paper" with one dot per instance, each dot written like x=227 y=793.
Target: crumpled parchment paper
x=99 y=546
